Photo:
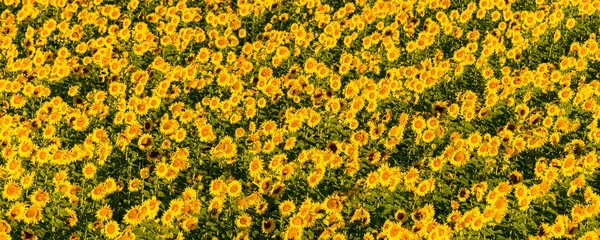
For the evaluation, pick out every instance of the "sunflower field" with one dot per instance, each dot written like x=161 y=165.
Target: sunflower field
x=299 y=119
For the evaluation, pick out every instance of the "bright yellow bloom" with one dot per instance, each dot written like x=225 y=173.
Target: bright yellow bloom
x=111 y=229
x=133 y=216
x=243 y=221
x=12 y=191
x=286 y=208
x=33 y=214
x=104 y=213
x=234 y=188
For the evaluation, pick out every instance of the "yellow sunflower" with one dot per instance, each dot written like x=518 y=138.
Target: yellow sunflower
x=104 y=213
x=133 y=216
x=111 y=229
x=12 y=191
x=243 y=221
x=145 y=142
x=287 y=207
x=40 y=197
x=16 y=211
x=89 y=170
x=33 y=214
x=234 y=188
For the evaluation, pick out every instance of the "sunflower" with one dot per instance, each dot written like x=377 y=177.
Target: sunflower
x=265 y=185
x=437 y=163
x=418 y=124
x=111 y=229
x=176 y=206
x=460 y=158
x=477 y=223
x=189 y=224
x=13 y=167
x=234 y=188
x=133 y=216
x=591 y=235
x=179 y=135
x=428 y=136
x=243 y=221
x=297 y=221
x=268 y=226
x=167 y=127
x=239 y=132
x=277 y=190
x=515 y=177
x=395 y=231
x=360 y=138
x=28 y=180
x=33 y=214
x=72 y=217
x=5 y=227
x=372 y=180
x=216 y=187
x=362 y=215
x=221 y=42
x=89 y=170
x=28 y=234
x=423 y=188
x=310 y=66
x=293 y=233
x=81 y=123
x=134 y=184
x=463 y=194
x=400 y=215
x=215 y=204
x=558 y=229
x=294 y=124
x=153 y=205
x=314 y=179
x=255 y=167
x=40 y=197
x=168 y=218
x=268 y=147
x=373 y=157
x=162 y=169
x=17 y=101
x=26 y=147
x=333 y=204
x=104 y=213
x=286 y=208
x=261 y=206
x=523 y=203
x=145 y=142
x=16 y=211
x=571 y=23
x=12 y=191
x=110 y=185
x=265 y=73
x=565 y=94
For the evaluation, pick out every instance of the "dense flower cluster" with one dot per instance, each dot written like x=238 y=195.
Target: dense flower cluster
x=301 y=119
